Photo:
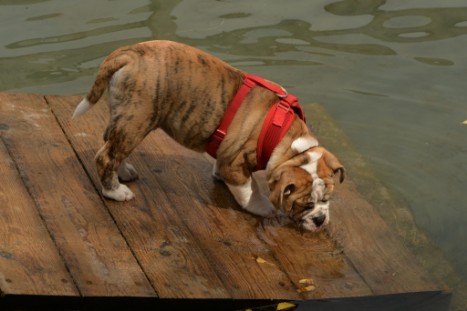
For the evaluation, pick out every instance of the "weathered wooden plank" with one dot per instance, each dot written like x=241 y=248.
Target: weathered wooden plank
x=184 y=229
x=170 y=255
x=376 y=252
x=299 y=255
x=96 y=254
x=29 y=261
x=228 y=236
x=172 y=174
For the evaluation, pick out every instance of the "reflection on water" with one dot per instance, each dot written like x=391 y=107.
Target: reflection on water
x=248 y=34
x=391 y=73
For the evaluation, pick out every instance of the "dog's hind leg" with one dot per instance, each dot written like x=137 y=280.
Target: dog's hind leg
x=108 y=162
x=122 y=136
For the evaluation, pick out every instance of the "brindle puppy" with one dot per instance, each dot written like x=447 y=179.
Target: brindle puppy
x=185 y=92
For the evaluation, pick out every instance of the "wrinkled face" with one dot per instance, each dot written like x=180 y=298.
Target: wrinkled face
x=302 y=188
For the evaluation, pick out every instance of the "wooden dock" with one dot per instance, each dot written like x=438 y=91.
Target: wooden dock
x=183 y=241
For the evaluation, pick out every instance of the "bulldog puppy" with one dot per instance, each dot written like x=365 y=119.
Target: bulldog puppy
x=185 y=92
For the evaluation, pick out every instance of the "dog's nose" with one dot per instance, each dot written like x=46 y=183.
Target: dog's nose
x=319 y=220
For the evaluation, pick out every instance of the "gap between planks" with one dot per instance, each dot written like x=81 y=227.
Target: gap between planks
x=81 y=229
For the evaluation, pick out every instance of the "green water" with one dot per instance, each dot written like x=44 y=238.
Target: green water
x=392 y=74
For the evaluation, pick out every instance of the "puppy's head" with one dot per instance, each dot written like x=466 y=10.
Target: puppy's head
x=303 y=186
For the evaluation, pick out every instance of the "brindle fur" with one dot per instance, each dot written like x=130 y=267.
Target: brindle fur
x=189 y=91
x=185 y=92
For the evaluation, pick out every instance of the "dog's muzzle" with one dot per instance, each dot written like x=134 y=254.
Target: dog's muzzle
x=314 y=219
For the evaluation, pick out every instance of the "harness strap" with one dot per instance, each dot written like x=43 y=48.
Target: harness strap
x=218 y=136
x=278 y=120
x=276 y=124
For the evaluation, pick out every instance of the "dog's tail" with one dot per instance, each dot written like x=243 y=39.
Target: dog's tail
x=114 y=62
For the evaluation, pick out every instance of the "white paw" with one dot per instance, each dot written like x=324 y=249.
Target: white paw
x=122 y=193
x=261 y=206
x=127 y=172
x=242 y=193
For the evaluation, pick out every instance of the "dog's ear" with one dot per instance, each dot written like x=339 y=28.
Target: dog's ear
x=333 y=164
x=288 y=184
x=281 y=186
x=328 y=166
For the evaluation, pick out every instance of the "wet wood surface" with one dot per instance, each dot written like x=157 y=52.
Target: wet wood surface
x=182 y=237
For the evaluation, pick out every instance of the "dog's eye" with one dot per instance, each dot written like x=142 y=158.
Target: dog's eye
x=310 y=205
x=289 y=189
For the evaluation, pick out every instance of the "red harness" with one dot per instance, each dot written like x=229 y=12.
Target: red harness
x=278 y=120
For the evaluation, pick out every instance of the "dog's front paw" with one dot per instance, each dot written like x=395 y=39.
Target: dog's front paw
x=127 y=172
x=266 y=212
x=122 y=193
x=261 y=206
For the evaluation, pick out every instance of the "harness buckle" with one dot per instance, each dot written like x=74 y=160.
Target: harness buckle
x=218 y=136
x=283 y=95
x=280 y=115
x=214 y=142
